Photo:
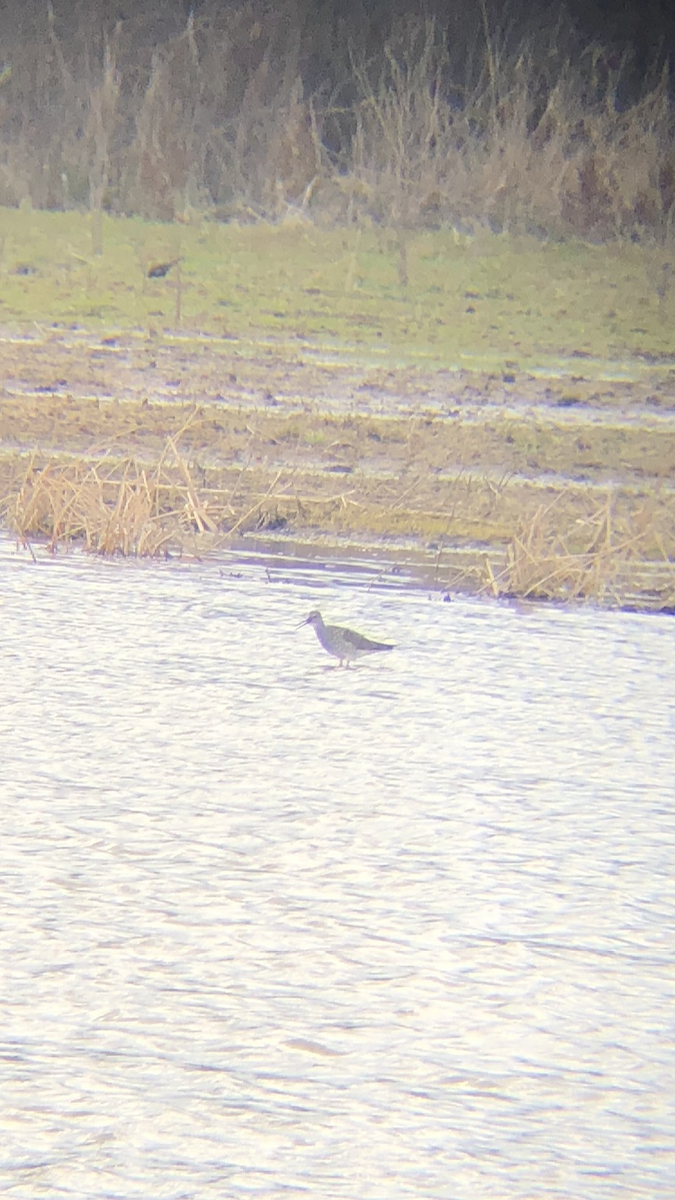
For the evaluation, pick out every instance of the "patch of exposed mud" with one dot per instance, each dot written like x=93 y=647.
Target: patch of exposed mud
x=294 y=446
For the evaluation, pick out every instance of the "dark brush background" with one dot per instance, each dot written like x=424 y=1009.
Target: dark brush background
x=246 y=108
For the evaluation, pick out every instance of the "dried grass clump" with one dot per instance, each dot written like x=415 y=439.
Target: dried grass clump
x=605 y=561
x=122 y=509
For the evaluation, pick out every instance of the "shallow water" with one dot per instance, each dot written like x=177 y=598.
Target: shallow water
x=272 y=928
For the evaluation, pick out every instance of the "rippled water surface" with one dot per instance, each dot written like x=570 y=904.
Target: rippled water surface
x=272 y=928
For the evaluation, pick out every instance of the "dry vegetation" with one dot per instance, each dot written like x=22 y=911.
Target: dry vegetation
x=621 y=553
x=624 y=560
x=476 y=118
x=499 y=502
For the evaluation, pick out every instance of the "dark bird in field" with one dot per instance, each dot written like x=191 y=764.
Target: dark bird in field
x=159 y=270
x=342 y=643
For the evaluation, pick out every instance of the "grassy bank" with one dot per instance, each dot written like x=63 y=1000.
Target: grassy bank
x=484 y=302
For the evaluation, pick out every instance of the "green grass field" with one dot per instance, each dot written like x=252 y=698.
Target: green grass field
x=486 y=303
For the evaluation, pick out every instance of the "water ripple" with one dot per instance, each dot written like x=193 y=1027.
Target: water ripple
x=273 y=928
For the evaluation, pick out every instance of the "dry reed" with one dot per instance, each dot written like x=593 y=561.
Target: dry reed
x=128 y=508
x=135 y=514
x=541 y=564
x=114 y=508
x=456 y=121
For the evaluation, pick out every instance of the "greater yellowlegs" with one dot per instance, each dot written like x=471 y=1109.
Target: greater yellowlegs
x=342 y=643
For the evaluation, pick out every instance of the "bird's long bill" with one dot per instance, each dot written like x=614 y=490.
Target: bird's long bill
x=305 y=622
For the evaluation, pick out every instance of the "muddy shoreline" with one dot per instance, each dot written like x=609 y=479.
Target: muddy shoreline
x=556 y=488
